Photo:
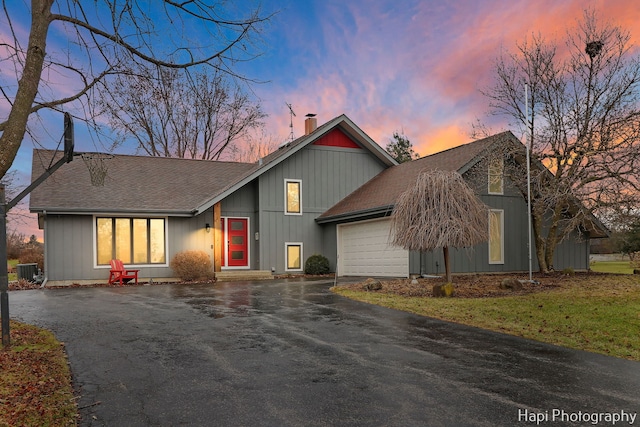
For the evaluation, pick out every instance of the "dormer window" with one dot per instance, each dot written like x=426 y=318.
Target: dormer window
x=496 y=176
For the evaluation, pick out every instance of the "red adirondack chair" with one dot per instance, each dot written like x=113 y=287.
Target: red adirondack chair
x=119 y=274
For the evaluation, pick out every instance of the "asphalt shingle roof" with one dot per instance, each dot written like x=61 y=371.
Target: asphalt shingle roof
x=132 y=184
x=142 y=184
x=382 y=191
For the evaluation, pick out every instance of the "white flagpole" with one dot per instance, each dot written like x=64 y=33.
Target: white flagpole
x=527 y=143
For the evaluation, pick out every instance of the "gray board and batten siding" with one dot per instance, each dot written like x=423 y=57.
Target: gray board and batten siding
x=77 y=235
x=243 y=203
x=571 y=253
x=328 y=174
x=74 y=257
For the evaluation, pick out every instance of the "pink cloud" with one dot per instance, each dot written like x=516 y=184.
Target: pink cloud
x=441 y=138
x=415 y=67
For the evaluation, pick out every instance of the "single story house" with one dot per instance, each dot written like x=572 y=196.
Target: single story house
x=328 y=192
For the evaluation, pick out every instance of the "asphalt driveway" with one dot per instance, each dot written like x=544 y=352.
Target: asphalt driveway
x=290 y=353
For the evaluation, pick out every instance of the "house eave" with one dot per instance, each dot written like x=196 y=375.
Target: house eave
x=123 y=212
x=377 y=212
x=596 y=229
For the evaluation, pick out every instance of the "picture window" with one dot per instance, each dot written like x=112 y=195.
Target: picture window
x=131 y=240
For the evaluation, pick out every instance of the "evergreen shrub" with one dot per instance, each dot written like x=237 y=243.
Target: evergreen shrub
x=316 y=264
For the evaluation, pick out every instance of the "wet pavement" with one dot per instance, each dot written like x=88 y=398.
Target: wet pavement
x=290 y=353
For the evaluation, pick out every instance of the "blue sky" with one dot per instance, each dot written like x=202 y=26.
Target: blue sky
x=411 y=66
x=415 y=66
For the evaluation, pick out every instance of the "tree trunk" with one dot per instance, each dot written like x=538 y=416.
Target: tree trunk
x=545 y=244
x=550 y=248
x=537 y=223
x=16 y=123
x=551 y=241
x=447 y=267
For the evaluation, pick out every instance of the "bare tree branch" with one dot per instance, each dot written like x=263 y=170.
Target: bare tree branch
x=584 y=125
x=105 y=38
x=174 y=114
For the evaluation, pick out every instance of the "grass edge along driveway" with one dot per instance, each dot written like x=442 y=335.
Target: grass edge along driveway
x=35 y=385
x=601 y=315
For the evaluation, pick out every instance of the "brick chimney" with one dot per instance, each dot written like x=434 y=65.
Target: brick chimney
x=310 y=123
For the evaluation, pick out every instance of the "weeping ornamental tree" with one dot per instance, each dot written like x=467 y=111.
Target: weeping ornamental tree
x=439 y=211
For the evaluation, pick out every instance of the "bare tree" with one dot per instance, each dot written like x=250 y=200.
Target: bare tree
x=9 y=183
x=439 y=211
x=174 y=114
x=103 y=39
x=583 y=126
x=19 y=214
x=16 y=243
x=256 y=145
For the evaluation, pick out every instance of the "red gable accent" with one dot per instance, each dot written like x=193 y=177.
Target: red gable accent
x=336 y=138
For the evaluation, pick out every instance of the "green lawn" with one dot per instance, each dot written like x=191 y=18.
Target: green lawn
x=618 y=267
x=601 y=314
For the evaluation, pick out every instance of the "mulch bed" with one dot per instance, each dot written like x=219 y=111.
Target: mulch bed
x=473 y=285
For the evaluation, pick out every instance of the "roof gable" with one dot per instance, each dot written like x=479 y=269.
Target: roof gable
x=175 y=186
x=341 y=123
x=336 y=138
x=382 y=191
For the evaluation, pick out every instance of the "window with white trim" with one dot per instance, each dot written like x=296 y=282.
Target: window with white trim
x=496 y=176
x=496 y=236
x=132 y=240
x=293 y=256
x=293 y=197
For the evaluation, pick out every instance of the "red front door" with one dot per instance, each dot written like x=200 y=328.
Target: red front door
x=237 y=242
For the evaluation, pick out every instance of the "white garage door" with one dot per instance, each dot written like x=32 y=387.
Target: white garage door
x=363 y=250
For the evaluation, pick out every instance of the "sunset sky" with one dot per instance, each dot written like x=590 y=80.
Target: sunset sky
x=415 y=66
x=410 y=66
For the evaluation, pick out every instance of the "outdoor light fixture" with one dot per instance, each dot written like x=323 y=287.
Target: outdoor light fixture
x=207 y=227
